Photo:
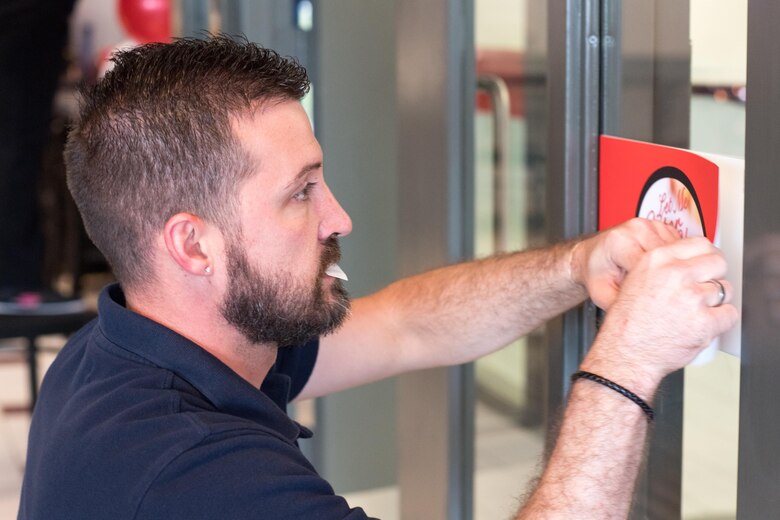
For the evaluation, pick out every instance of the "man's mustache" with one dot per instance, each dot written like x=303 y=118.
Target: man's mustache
x=331 y=254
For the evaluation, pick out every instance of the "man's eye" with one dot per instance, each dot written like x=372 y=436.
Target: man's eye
x=304 y=193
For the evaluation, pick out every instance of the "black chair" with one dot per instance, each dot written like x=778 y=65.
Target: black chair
x=31 y=327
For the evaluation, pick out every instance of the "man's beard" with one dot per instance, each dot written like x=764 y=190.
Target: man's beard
x=281 y=308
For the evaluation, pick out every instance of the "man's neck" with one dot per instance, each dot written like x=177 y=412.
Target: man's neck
x=202 y=323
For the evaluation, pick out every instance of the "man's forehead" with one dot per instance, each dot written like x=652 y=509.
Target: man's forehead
x=261 y=110
x=279 y=135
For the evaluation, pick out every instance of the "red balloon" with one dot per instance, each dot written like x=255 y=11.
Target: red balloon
x=146 y=20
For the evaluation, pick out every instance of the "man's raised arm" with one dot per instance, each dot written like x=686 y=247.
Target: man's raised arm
x=459 y=313
x=667 y=311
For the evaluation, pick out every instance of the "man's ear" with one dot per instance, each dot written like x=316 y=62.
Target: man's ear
x=189 y=244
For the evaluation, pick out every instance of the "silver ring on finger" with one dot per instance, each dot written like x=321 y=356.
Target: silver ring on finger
x=721 y=292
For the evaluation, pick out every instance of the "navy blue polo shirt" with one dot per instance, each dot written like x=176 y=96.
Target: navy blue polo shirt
x=135 y=421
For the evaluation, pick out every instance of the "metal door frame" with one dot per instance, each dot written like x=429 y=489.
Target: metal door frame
x=435 y=85
x=759 y=459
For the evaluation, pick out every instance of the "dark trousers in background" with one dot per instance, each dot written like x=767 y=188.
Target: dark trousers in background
x=33 y=35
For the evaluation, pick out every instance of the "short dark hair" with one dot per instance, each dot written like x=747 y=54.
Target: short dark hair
x=155 y=138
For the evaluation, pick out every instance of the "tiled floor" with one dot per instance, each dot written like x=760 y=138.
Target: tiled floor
x=14 y=421
x=13 y=428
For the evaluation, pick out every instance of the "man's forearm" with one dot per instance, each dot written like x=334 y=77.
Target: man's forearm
x=667 y=311
x=447 y=316
x=593 y=469
x=458 y=313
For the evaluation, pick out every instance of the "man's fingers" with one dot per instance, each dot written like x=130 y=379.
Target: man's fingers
x=652 y=233
x=723 y=318
x=710 y=266
x=717 y=292
x=690 y=247
x=608 y=257
x=665 y=232
x=686 y=262
x=639 y=236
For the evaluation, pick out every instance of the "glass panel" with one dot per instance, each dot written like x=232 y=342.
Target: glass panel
x=508 y=216
x=711 y=397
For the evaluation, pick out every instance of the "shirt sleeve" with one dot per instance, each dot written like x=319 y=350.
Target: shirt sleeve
x=243 y=475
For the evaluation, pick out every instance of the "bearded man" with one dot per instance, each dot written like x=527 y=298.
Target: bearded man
x=198 y=176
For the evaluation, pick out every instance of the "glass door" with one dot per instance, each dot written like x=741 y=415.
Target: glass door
x=675 y=74
x=711 y=392
x=508 y=216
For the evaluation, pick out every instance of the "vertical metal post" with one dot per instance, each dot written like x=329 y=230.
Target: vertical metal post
x=435 y=88
x=574 y=43
x=759 y=458
x=355 y=122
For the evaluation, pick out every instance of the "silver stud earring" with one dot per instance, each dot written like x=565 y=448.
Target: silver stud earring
x=207 y=269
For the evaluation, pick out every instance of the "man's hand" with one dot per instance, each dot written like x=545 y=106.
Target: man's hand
x=600 y=263
x=667 y=311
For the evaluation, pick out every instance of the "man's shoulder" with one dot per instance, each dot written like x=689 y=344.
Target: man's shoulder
x=118 y=438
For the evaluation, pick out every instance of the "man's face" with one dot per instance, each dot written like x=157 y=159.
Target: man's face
x=277 y=289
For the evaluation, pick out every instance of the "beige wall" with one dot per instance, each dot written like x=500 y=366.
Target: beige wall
x=719 y=40
x=718 y=35
x=500 y=24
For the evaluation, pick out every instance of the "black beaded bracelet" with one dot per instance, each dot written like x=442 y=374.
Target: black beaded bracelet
x=617 y=388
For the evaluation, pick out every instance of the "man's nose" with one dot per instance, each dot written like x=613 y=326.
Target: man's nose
x=335 y=220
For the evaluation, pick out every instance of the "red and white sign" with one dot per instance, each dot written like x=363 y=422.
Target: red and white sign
x=674 y=186
x=697 y=194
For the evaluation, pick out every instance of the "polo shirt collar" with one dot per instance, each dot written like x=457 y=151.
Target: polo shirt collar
x=225 y=389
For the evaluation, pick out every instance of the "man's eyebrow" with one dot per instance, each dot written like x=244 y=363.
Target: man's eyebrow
x=305 y=171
